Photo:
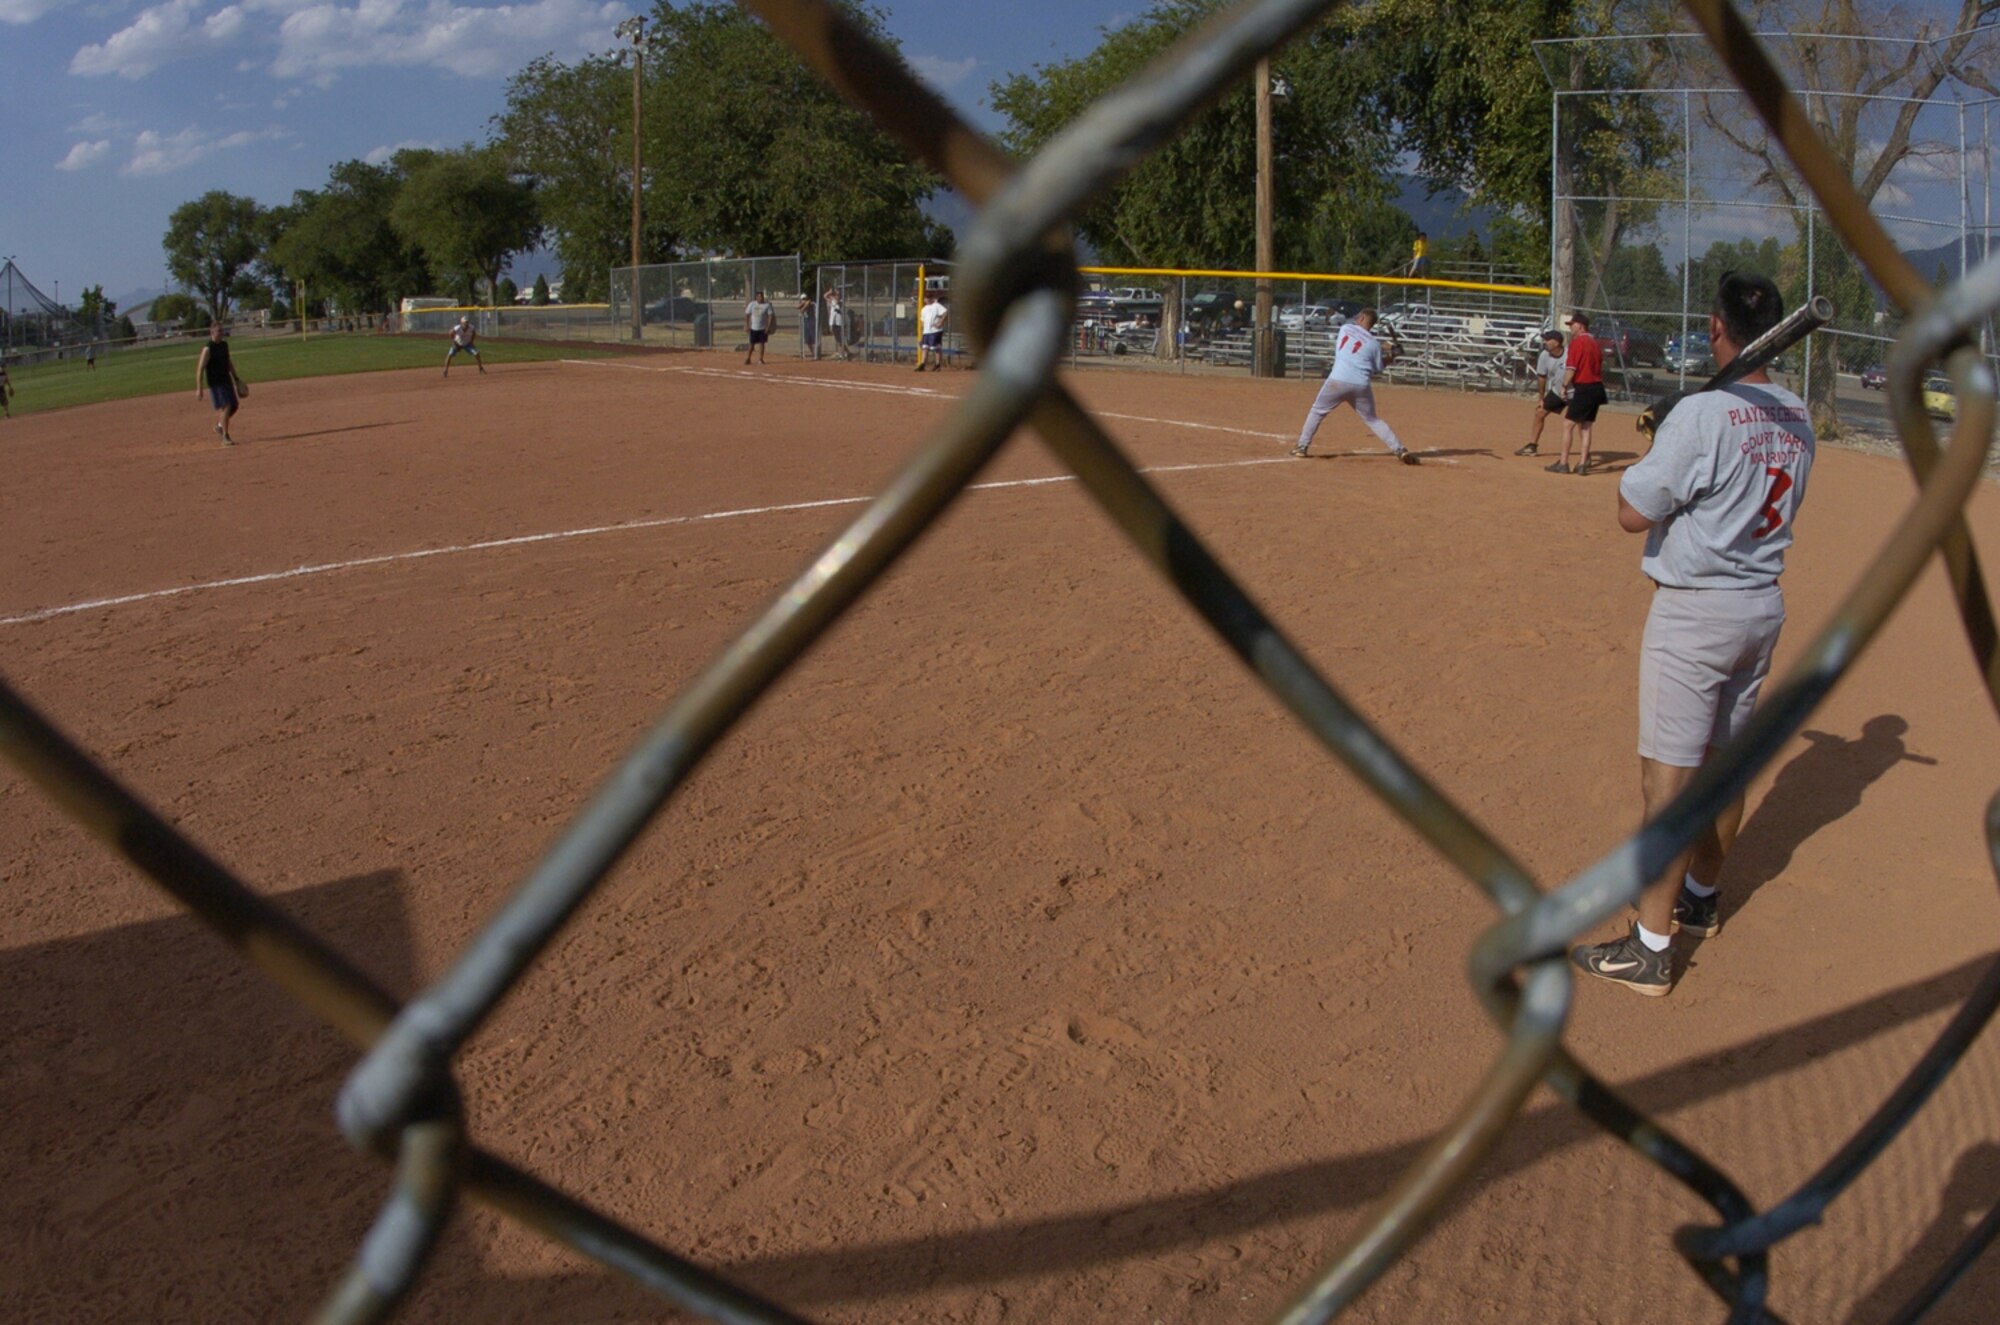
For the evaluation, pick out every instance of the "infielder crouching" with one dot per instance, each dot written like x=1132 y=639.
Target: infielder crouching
x=1715 y=498
x=462 y=338
x=1357 y=359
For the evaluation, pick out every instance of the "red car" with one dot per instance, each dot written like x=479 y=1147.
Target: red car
x=1874 y=378
x=1627 y=346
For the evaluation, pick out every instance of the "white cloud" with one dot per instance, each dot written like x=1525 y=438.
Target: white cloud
x=18 y=12
x=84 y=154
x=161 y=34
x=155 y=153
x=1892 y=196
x=99 y=122
x=941 y=73
x=321 y=39
x=381 y=154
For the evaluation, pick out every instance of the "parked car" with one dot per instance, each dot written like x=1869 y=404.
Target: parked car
x=1940 y=397
x=1874 y=378
x=1628 y=346
x=1309 y=317
x=1690 y=354
x=1210 y=308
x=672 y=308
x=1096 y=304
x=1136 y=294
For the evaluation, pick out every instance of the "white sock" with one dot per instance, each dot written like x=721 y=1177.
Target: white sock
x=1654 y=942
x=1695 y=888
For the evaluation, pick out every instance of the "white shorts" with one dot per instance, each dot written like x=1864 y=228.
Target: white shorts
x=1705 y=655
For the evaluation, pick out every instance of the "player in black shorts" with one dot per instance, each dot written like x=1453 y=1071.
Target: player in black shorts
x=1548 y=378
x=217 y=373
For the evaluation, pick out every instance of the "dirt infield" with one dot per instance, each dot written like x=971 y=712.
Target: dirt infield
x=1018 y=959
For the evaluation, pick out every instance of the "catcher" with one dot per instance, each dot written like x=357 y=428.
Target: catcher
x=1358 y=358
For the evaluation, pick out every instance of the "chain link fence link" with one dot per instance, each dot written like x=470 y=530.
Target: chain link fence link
x=1016 y=281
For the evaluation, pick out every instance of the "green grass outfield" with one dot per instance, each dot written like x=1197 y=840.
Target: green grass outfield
x=159 y=369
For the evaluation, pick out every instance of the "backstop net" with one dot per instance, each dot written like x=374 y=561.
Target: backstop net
x=29 y=319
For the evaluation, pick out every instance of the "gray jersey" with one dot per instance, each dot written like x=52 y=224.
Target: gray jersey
x=759 y=312
x=1357 y=355
x=1722 y=484
x=1550 y=367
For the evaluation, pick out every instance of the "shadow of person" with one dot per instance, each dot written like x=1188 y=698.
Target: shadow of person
x=1968 y=1197
x=1821 y=785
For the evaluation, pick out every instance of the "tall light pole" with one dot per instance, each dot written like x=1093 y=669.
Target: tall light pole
x=1261 y=338
x=634 y=30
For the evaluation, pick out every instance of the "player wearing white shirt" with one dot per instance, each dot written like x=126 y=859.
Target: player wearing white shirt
x=836 y=321
x=1548 y=377
x=1715 y=497
x=1357 y=360
x=758 y=316
x=462 y=338
x=930 y=326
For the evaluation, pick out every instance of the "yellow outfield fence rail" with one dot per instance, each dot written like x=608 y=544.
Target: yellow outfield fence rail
x=1377 y=280
x=1016 y=284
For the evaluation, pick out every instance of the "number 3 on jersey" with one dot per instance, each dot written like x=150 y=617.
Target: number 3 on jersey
x=1781 y=483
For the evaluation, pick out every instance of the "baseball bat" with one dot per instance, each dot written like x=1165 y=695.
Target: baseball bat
x=1800 y=323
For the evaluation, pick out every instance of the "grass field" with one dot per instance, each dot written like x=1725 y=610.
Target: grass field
x=157 y=370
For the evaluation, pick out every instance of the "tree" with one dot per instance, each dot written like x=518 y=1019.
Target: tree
x=570 y=128
x=540 y=297
x=341 y=244
x=467 y=212
x=1366 y=235
x=749 y=151
x=1460 y=82
x=209 y=243
x=95 y=311
x=507 y=293
x=1192 y=201
x=1874 y=130
x=179 y=308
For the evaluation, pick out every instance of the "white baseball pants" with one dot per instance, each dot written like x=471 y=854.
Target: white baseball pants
x=1332 y=395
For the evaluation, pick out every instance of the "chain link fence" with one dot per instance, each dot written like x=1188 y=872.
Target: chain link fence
x=699 y=305
x=1473 y=327
x=1660 y=186
x=878 y=303
x=1016 y=284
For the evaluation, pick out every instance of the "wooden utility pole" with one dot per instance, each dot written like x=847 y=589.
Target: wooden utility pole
x=636 y=29
x=1262 y=341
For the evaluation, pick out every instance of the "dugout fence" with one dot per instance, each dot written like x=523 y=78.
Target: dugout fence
x=1015 y=284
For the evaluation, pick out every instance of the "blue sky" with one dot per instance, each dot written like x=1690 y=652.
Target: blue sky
x=118 y=111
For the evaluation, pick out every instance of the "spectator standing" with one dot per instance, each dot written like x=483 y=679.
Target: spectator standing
x=757 y=318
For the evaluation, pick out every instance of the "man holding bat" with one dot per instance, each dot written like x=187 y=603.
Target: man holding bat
x=1715 y=498
x=1358 y=359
